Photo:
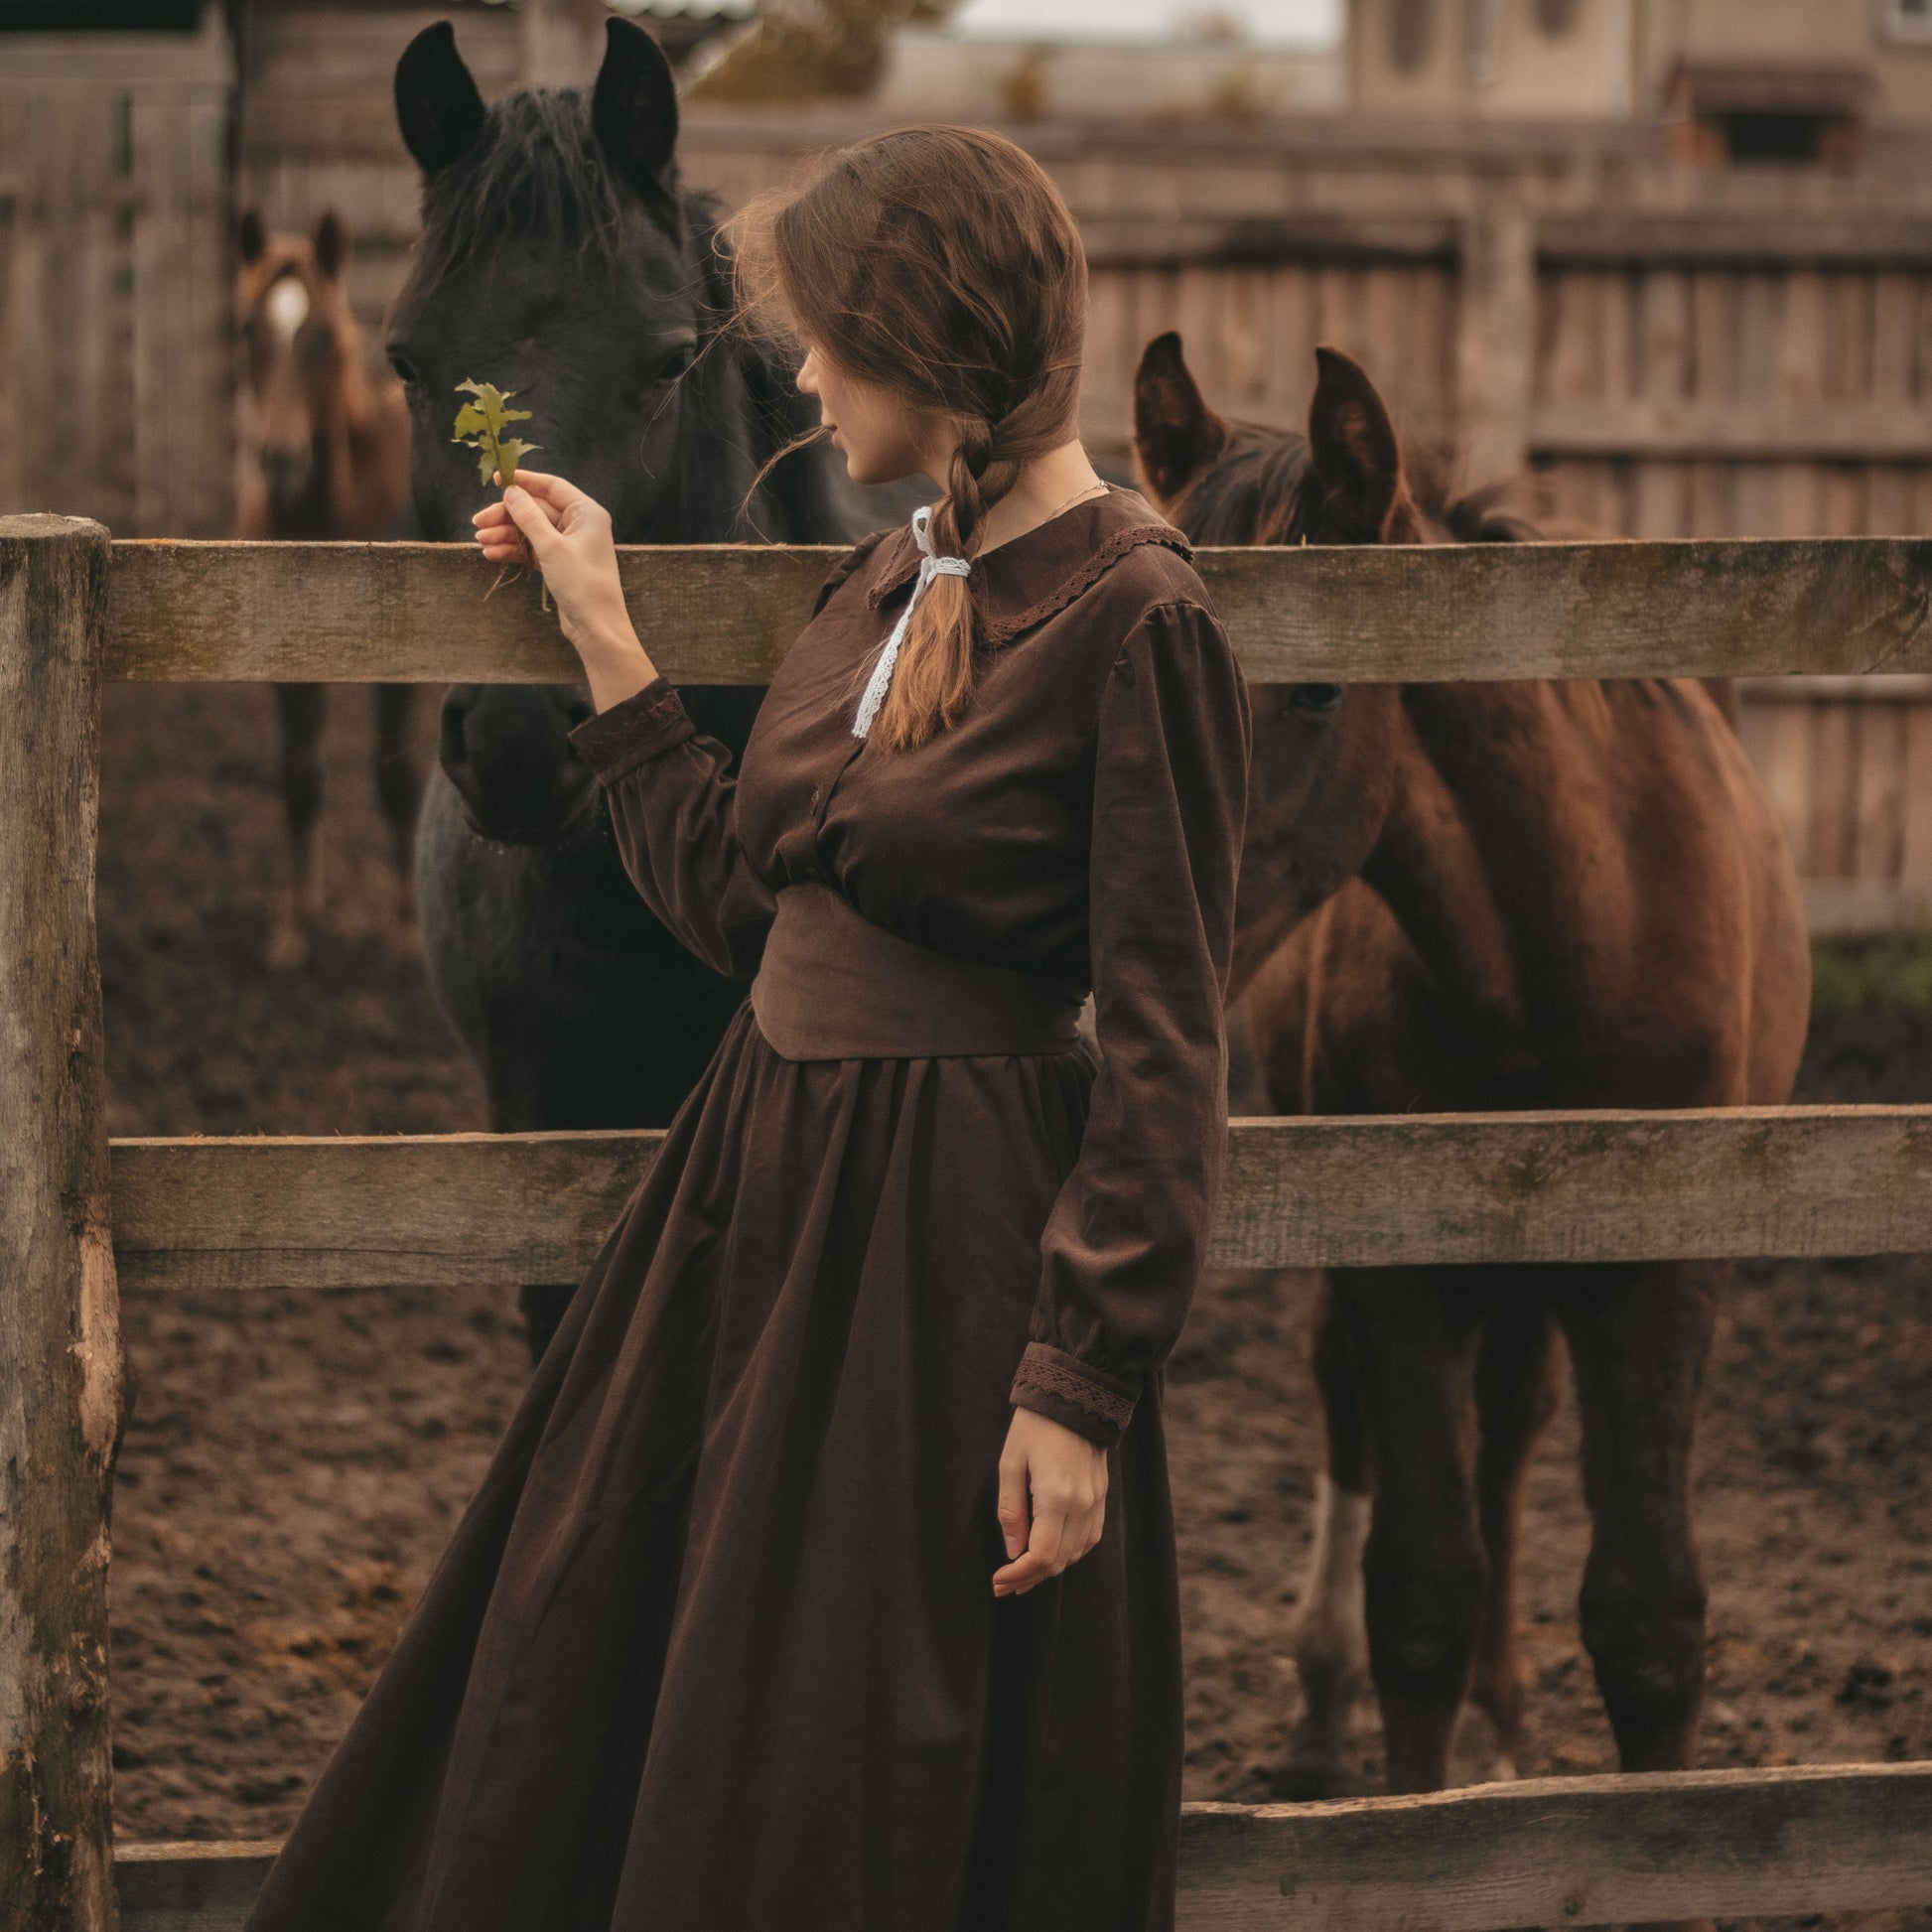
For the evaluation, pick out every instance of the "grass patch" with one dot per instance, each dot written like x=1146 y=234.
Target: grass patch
x=1890 y=969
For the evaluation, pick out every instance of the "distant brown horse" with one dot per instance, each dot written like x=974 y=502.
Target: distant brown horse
x=329 y=456
x=1485 y=896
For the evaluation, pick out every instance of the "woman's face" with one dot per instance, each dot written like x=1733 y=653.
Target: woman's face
x=880 y=435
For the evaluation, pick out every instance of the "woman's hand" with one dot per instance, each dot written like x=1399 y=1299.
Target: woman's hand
x=1065 y=1477
x=543 y=519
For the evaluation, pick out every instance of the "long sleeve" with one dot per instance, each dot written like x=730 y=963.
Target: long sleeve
x=673 y=808
x=1124 y=1245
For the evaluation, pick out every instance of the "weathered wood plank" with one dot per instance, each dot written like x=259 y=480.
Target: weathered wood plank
x=1374 y=1191
x=190 y=1886
x=1553 y=1851
x=1570 y=1852
x=1732 y=430
x=725 y=613
x=59 y=1346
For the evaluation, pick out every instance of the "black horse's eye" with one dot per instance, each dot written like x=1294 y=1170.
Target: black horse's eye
x=677 y=361
x=405 y=370
x=1317 y=698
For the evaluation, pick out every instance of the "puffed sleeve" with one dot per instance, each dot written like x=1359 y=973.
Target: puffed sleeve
x=1125 y=1241
x=673 y=810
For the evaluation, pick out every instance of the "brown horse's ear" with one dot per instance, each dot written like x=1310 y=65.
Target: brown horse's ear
x=438 y=108
x=1352 y=445
x=633 y=109
x=1175 y=434
x=251 y=236
x=331 y=244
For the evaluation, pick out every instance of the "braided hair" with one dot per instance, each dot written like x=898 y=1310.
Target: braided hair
x=940 y=263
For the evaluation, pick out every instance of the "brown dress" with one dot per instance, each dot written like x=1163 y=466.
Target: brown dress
x=714 y=1648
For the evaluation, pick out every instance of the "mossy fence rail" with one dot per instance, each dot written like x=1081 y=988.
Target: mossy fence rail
x=81 y=1218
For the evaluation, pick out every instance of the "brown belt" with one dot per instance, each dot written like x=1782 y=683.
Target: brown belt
x=833 y=986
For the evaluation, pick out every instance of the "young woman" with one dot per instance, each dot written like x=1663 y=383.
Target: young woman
x=825 y=1579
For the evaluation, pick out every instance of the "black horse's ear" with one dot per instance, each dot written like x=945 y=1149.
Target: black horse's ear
x=331 y=243
x=1175 y=434
x=633 y=109
x=251 y=236
x=438 y=108
x=1353 y=449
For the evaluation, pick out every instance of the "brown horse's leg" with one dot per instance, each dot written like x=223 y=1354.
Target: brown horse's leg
x=301 y=709
x=1638 y=1342
x=1423 y=1570
x=1516 y=1395
x=1330 y=1638
x=399 y=785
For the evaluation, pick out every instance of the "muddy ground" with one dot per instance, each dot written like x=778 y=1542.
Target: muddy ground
x=292 y=1461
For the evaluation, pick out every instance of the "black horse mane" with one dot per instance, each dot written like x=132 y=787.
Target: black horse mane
x=1262 y=490
x=537 y=170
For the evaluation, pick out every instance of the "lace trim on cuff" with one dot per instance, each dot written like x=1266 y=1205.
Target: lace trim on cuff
x=1049 y=1370
x=632 y=729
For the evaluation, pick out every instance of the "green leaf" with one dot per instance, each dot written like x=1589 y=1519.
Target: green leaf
x=509 y=452
x=481 y=424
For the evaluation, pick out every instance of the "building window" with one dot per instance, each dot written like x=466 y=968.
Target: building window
x=1411 y=25
x=1907 y=20
x=1559 y=18
x=1482 y=37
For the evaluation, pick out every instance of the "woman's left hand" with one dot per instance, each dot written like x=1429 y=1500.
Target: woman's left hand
x=1064 y=1477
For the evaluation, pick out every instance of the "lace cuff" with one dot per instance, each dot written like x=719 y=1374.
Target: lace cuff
x=633 y=730
x=1053 y=1383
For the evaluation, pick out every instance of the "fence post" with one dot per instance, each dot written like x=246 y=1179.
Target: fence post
x=1495 y=349
x=59 y=1334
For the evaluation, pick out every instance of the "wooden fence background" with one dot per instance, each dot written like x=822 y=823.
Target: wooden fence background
x=1669 y=352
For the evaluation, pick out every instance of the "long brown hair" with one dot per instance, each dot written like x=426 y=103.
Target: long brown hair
x=942 y=264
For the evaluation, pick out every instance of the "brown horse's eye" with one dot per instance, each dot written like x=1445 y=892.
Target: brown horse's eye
x=1317 y=698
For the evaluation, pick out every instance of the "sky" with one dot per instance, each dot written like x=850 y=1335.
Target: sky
x=1269 y=23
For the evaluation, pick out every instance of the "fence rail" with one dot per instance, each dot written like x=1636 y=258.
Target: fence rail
x=725 y=613
x=447 y=1209
x=1517 y=1186
x=1571 y=1852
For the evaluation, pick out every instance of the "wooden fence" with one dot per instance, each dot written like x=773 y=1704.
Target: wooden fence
x=84 y=1217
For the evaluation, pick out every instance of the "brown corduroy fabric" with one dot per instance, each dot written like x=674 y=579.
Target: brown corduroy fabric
x=714 y=1648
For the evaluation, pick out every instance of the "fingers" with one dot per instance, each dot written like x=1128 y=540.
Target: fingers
x=1042 y=1556
x=530 y=516
x=1060 y=1535
x=556 y=493
x=1012 y=1510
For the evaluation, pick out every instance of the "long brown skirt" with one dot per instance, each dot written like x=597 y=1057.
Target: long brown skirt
x=715 y=1647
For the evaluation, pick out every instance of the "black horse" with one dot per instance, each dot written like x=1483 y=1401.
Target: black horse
x=561 y=259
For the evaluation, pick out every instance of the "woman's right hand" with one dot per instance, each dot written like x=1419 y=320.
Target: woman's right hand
x=544 y=520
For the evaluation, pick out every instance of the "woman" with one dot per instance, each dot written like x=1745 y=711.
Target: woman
x=825 y=1579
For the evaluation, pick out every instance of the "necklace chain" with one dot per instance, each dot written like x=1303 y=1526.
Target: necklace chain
x=1086 y=489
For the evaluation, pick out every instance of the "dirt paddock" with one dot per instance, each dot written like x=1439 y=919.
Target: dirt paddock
x=294 y=1461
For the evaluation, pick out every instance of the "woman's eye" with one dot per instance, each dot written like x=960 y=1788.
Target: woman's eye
x=1319 y=698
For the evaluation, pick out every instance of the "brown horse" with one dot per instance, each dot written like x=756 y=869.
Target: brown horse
x=327 y=456
x=1485 y=896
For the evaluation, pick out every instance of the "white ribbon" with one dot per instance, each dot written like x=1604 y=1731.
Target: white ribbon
x=931 y=566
